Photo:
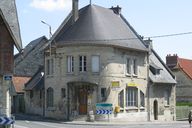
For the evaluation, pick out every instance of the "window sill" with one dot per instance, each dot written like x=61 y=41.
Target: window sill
x=128 y=75
x=134 y=75
x=131 y=108
x=166 y=106
x=70 y=73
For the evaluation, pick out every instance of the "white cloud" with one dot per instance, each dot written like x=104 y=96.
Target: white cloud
x=51 y=5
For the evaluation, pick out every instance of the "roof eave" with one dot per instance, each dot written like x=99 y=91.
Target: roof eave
x=19 y=47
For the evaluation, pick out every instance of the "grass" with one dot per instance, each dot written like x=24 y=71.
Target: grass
x=184 y=104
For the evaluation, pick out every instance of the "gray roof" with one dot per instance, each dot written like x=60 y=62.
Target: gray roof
x=36 y=82
x=27 y=63
x=99 y=26
x=9 y=13
x=165 y=76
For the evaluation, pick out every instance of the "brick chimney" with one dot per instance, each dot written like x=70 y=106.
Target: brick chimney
x=171 y=60
x=75 y=10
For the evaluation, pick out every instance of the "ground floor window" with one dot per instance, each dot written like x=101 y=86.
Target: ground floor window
x=131 y=97
x=121 y=99
x=50 y=97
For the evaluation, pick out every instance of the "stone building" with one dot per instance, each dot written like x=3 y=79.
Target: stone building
x=26 y=65
x=9 y=36
x=182 y=69
x=97 y=57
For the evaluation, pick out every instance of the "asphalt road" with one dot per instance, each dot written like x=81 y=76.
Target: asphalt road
x=34 y=122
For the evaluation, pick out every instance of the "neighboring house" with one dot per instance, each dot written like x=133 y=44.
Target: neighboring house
x=28 y=63
x=9 y=36
x=18 y=103
x=161 y=91
x=182 y=69
x=97 y=57
x=34 y=93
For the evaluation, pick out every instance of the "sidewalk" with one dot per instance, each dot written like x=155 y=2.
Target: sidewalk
x=101 y=123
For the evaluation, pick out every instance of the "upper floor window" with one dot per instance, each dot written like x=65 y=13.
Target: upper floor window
x=70 y=64
x=131 y=97
x=82 y=63
x=95 y=63
x=135 y=67
x=128 y=66
x=49 y=67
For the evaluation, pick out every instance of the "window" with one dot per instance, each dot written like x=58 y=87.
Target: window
x=135 y=67
x=128 y=66
x=103 y=93
x=31 y=94
x=70 y=64
x=131 y=97
x=49 y=67
x=63 y=92
x=121 y=99
x=142 y=99
x=82 y=64
x=50 y=97
x=167 y=95
x=95 y=63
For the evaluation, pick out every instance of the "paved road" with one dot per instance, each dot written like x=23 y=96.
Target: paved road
x=43 y=123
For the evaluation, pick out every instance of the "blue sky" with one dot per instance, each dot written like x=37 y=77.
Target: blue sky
x=148 y=18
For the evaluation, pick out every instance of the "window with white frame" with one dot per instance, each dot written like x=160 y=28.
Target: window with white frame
x=50 y=94
x=70 y=64
x=128 y=66
x=131 y=97
x=82 y=63
x=121 y=99
x=166 y=96
x=135 y=67
x=49 y=67
x=95 y=63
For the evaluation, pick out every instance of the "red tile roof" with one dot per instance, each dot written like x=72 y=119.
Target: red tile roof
x=186 y=66
x=19 y=83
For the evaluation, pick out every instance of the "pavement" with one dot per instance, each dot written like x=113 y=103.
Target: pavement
x=101 y=123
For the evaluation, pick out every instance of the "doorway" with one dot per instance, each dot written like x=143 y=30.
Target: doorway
x=83 y=100
x=155 y=108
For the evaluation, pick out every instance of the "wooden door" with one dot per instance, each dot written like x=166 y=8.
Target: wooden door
x=82 y=101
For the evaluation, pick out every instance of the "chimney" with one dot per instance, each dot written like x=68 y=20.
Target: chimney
x=75 y=10
x=148 y=43
x=116 y=10
x=171 y=61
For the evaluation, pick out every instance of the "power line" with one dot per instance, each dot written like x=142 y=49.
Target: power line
x=169 y=35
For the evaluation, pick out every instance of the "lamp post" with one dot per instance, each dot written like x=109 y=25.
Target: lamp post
x=50 y=33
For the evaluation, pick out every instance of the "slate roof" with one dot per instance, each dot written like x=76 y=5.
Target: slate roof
x=19 y=83
x=99 y=26
x=27 y=63
x=186 y=66
x=36 y=82
x=9 y=13
x=165 y=76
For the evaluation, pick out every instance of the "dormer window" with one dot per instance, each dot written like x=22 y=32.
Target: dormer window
x=155 y=69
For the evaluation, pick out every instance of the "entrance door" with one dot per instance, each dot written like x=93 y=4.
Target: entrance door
x=155 y=108
x=82 y=101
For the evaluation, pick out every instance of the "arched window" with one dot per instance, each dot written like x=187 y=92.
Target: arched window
x=50 y=97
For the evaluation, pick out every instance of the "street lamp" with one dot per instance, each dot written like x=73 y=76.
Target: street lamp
x=50 y=33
